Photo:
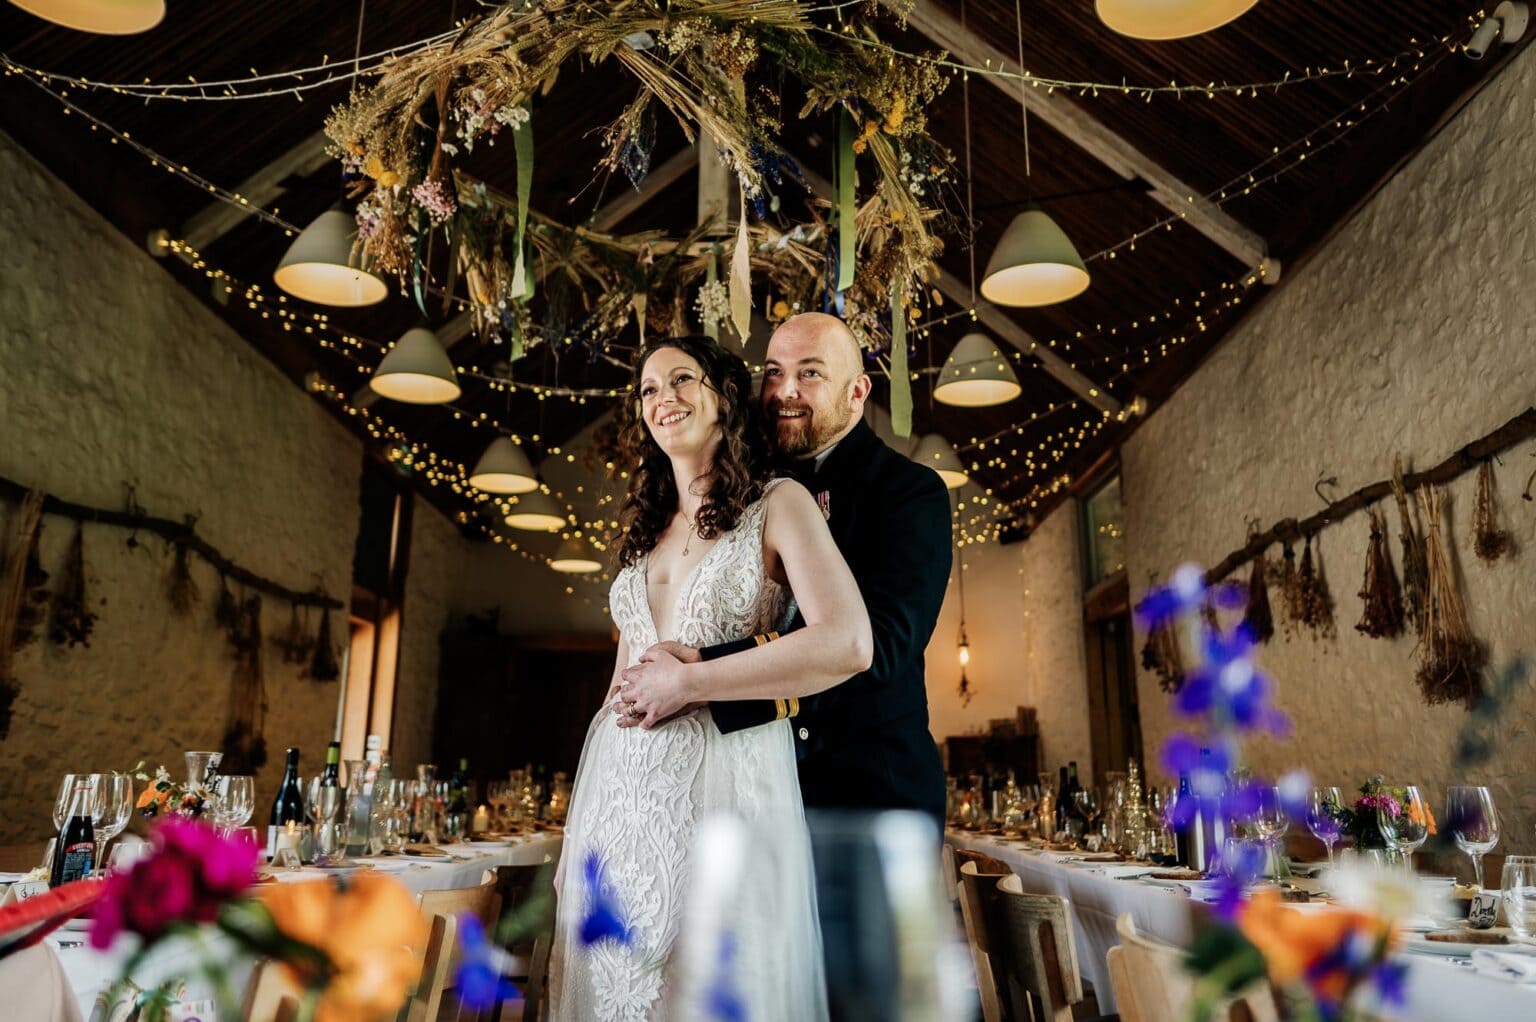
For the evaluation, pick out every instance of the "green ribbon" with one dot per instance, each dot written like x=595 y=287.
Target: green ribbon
x=522 y=137
x=418 y=270
x=901 y=379
x=847 y=232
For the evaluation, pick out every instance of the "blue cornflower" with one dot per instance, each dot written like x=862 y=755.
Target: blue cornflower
x=480 y=978
x=603 y=920
x=722 y=1000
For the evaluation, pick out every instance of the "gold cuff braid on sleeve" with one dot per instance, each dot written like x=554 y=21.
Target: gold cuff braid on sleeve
x=794 y=707
x=780 y=710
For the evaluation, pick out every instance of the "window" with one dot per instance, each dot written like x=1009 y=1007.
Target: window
x=1103 y=533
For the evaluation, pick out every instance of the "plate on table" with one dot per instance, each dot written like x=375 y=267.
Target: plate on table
x=1460 y=943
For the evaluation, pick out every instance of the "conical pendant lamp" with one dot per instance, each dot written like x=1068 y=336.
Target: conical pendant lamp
x=935 y=452
x=417 y=371
x=108 y=17
x=575 y=558
x=1169 y=19
x=320 y=266
x=1035 y=263
x=536 y=511
x=976 y=375
x=504 y=468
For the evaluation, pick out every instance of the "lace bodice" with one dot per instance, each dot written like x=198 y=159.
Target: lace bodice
x=728 y=594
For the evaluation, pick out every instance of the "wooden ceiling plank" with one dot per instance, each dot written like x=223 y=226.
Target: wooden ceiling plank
x=1098 y=140
x=217 y=219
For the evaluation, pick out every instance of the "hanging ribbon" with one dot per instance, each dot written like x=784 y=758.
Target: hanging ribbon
x=519 y=346
x=741 y=278
x=901 y=379
x=847 y=232
x=522 y=137
x=418 y=263
x=712 y=274
x=638 y=302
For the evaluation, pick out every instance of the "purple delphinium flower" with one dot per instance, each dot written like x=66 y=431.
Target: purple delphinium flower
x=481 y=975
x=1185 y=591
x=1390 y=979
x=722 y=1001
x=603 y=920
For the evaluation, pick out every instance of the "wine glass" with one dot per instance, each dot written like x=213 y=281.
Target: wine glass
x=1089 y=807
x=1270 y=822
x=234 y=799
x=1323 y=817
x=110 y=810
x=1409 y=829
x=1473 y=823
x=61 y=801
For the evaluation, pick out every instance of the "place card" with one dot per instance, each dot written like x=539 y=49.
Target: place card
x=21 y=890
x=1484 y=910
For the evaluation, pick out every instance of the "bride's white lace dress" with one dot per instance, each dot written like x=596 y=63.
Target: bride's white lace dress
x=640 y=796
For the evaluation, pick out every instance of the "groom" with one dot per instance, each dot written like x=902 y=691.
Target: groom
x=863 y=744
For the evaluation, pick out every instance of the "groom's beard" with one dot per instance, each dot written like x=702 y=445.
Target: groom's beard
x=797 y=437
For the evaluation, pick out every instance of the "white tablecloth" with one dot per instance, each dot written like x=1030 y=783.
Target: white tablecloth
x=89 y=972
x=1439 y=989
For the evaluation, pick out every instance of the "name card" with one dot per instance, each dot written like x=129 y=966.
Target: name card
x=1484 y=910
x=21 y=890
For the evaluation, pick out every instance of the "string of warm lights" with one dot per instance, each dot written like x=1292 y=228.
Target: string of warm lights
x=1348 y=68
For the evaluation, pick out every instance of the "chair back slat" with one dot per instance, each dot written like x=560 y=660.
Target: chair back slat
x=1042 y=952
x=978 y=910
x=1156 y=984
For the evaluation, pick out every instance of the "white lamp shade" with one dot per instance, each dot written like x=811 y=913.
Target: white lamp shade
x=108 y=17
x=935 y=452
x=575 y=558
x=320 y=266
x=1169 y=19
x=536 y=511
x=503 y=468
x=1035 y=263
x=417 y=371
x=976 y=374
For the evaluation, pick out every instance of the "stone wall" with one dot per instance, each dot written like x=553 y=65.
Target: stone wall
x=1408 y=333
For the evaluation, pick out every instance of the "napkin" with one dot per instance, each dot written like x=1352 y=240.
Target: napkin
x=1503 y=965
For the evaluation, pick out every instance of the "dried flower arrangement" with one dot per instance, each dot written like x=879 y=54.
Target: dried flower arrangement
x=13 y=597
x=1488 y=540
x=1314 y=601
x=1382 y=616
x=71 y=620
x=1258 y=616
x=1415 y=582
x=1451 y=658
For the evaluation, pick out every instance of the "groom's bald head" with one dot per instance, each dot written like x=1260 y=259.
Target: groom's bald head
x=814 y=386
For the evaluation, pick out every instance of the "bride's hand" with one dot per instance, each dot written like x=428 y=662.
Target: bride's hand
x=656 y=689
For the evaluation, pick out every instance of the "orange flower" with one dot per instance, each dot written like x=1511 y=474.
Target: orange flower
x=372 y=932
x=153 y=796
x=1419 y=812
x=1291 y=940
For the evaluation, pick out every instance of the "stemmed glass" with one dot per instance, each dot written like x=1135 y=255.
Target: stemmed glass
x=110 y=810
x=1473 y=822
x=323 y=805
x=1087 y=802
x=1323 y=817
x=233 y=799
x=1409 y=829
x=1270 y=822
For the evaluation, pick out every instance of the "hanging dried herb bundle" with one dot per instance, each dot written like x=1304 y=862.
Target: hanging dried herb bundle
x=1451 y=659
x=13 y=595
x=1382 y=616
x=323 y=666
x=180 y=589
x=1415 y=582
x=1488 y=540
x=70 y=621
x=1160 y=655
x=34 y=595
x=1314 y=601
x=1285 y=578
x=226 y=613
x=245 y=748
x=1258 y=617
x=295 y=643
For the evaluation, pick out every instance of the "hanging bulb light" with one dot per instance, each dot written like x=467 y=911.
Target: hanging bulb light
x=1034 y=264
x=320 y=266
x=504 y=468
x=417 y=370
x=536 y=511
x=976 y=375
x=964 y=648
x=575 y=558
x=1169 y=19
x=107 y=17
x=935 y=452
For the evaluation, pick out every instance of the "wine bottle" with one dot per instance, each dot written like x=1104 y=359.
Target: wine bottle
x=330 y=777
x=288 y=807
x=1188 y=840
x=74 y=854
x=458 y=788
x=1063 y=799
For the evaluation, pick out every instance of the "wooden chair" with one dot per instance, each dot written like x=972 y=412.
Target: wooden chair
x=949 y=866
x=443 y=909
x=1042 y=976
x=979 y=911
x=519 y=887
x=984 y=862
x=1152 y=983
x=272 y=995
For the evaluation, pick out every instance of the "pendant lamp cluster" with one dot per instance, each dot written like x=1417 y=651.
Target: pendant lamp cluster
x=1169 y=19
x=105 y=17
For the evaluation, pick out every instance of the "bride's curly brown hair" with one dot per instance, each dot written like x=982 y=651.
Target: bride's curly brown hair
x=741 y=465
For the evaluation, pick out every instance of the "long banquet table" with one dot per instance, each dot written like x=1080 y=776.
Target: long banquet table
x=88 y=972
x=1439 y=989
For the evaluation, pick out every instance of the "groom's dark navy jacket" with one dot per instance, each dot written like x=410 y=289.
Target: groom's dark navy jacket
x=865 y=744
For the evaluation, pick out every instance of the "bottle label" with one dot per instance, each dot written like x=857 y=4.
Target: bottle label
x=77 y=861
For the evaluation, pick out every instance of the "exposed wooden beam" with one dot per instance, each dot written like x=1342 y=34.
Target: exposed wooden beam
x=609 y=216
x=1099 y=141
x=218 y=219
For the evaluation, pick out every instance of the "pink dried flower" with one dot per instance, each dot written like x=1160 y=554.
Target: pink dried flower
x=433 y=196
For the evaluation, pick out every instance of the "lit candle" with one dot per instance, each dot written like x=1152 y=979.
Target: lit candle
x=481 y=821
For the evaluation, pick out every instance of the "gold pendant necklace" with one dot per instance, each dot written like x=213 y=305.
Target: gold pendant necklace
x=692 y=524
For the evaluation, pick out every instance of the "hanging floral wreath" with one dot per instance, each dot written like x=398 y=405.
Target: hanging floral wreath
x=708 y=64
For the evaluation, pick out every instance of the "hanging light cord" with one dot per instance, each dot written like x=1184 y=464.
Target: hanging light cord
x=970 y=198
x=357 y=50
x=1018 y=13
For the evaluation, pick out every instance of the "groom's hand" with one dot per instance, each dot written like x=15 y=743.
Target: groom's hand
x=655 y=690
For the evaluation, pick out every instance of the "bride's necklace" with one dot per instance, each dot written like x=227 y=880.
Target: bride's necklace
x=693 y=525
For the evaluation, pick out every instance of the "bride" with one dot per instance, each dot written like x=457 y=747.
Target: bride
x=711 y=550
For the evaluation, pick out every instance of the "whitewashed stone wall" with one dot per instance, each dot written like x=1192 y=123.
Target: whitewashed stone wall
x=111 y=372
